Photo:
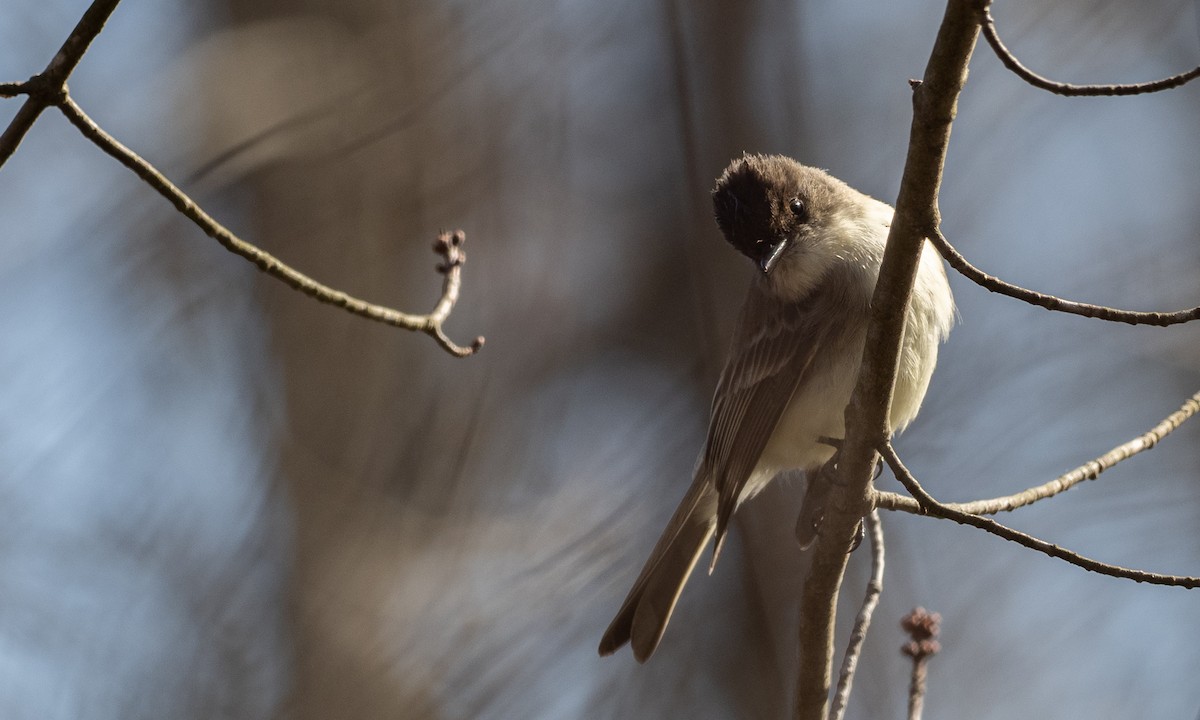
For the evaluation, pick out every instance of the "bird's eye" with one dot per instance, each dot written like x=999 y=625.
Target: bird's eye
x=797 y=208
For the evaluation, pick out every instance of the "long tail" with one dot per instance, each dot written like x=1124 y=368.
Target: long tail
x=643 y=616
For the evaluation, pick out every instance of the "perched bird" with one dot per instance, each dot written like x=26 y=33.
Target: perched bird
x=817 y=244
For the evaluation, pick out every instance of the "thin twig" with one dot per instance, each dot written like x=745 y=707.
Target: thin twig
x=862 y=623
x=930 y=506
x=1087 y=471
x=923 y=627
x=1051 y=302
x=1067 y=89
x=448 y=245
x=48 y=87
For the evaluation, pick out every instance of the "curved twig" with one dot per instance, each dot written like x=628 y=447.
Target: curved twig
x=1052 y=302
x=1087 y=471
x=988 y=25
x=49 y=88
x=930 y=506
x=862 y=623
x=448 y=245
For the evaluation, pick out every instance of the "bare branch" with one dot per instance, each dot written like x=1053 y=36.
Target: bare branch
x=50 y=88
x=922 y=626
x=1051 y=302
x=930 y=506
x=449 y=246
x=46 y=88
x=862 y=623
x=1087 y=471
x=1059 y=88
x=935 y=102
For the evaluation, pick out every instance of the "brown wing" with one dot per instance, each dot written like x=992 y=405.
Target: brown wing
x=772 y=352
x=773 y=348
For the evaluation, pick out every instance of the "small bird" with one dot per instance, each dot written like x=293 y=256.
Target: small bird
x=792 y=366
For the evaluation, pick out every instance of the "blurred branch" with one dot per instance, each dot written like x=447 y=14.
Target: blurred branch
x=930 y=506
x=922 y=626
x=1051 y=302
x=1059 y=88
x=935 y=102
x=1088 y=471
x=862 y=623
x=279 y=128
x=704 y=317
x=50 y=88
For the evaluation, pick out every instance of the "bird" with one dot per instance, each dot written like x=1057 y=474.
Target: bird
x=817 y=244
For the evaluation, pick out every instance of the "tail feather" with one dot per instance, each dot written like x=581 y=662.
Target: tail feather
x=664 y=587
x=643 y=617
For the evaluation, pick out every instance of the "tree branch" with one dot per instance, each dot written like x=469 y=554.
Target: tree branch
x=862 y=623
x=1051 y=302
x=930 y=506
x=935 y=102
x=449 y=246
x=50 y=88
x=1090 y=470
x=45 y=88
x=1059 y=88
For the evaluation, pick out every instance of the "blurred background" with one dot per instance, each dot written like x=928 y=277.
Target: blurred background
x=221 y=499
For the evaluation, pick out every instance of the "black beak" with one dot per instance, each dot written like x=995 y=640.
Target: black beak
x=768 y=261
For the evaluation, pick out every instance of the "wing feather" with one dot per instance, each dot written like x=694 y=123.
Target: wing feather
x=773 y=352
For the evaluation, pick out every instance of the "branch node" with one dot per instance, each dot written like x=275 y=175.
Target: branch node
x=46 y=90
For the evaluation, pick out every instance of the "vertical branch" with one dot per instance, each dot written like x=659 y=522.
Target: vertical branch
x=935 y=101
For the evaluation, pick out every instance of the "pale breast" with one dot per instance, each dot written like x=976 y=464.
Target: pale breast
x=817 y=409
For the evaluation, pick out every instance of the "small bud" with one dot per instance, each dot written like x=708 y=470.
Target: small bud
x=923 y=626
